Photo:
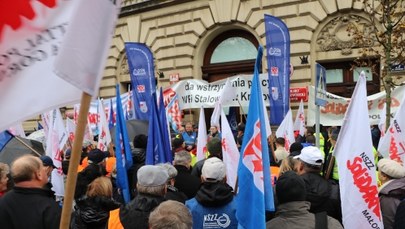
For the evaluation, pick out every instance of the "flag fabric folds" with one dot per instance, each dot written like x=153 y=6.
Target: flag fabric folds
x=55 y=142
x=155 y=151
x=392 y=144
x=111 y=116
x=173 y=109
x=165 y=128
x=278 y=61
x=104 y=136
x=299 y=124
x=230 y=152
x=286 y=130
x=122 y=150
x=357 y=171
x=255 y=192
x=202 y=136
x=72 y=36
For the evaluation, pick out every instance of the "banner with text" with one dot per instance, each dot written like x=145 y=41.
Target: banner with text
x=333 y=112
x=141 y=70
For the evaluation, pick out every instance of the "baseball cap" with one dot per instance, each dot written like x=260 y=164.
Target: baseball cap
x=47 y=161
x=96 y=156
x=213 y=169
x=152 y=176
x=310 y=155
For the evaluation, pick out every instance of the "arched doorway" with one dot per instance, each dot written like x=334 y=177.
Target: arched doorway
x=230 y=53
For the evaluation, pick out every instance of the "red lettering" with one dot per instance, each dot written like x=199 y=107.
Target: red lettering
x=363 y=182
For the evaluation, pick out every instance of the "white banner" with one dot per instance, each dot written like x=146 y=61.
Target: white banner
x=333 y=112
x=198 y=93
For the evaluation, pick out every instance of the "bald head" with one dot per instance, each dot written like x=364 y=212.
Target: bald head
x=26 y=168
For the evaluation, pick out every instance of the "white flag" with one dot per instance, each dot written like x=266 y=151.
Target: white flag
x=381 y=123
x=29 y=47
x=357 y=171
x=286 y=130
x=70 y=129
x=104 y=136
x=17 y=130
x=392 y=145
x=226 y=96
x=230 y=152
x=202 y=136
x=55 y=143
x=299 y=124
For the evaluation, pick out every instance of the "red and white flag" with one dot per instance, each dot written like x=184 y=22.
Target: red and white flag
x=55 y=142
x=202 y=136
x=357 y=171
x=32 y=37
x=299 y=124
x=286 y=130
x=392 y=145
x=71 y=129
x=230 y=152
x=104 y=136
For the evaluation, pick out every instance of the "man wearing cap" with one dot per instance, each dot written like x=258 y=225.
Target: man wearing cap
x=293 y=210
x=320 y=193
x=392 y=190
x=214 y=205
x=29 y=205
x=49 y=167
x=152 y=187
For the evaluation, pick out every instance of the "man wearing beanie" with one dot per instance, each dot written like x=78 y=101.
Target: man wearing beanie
x=214 y=148
x=214 y=205
x=392 y=190
x=293 y=210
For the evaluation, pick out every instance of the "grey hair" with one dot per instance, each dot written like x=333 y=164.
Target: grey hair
x=171 y=170
x=182 y=158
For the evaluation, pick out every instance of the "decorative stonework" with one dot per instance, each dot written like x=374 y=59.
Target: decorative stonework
x=124 y=69
x=335 y=36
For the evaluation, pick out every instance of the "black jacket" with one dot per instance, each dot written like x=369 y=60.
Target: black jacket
x=185 y=182
x=85 y=177
x=136 y=213
x=29 y=208
x=93 y=212
x=214 y=194
x=138 y=158
x=320 y=193
x=174 y=194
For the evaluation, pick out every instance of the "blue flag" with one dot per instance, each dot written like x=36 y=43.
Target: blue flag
x=278 y=61
x=155 y=150
x=141 y=70
x=5 y=137
x=122 y=150
x=255 y=194
x=39 y=127
x=165 y=129
x=233 y=123
x=111 y=121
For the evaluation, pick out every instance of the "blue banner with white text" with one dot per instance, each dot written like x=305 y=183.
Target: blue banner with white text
x=278 y=61
x=141 y=70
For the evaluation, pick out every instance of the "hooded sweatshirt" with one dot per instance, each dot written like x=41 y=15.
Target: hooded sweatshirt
x=213 y=206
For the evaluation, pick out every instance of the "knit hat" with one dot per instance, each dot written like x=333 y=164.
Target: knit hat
x=213 y=169
x=290 y=187
x=152 y=176
x=391 y=168
x=311 y=155
x=96 y=156
x=296 y=147
x=214 y=146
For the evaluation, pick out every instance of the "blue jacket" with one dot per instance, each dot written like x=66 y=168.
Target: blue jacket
x=189 y=140
x=213 y=207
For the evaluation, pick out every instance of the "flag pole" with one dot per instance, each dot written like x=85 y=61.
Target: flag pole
x=26 y=145
x=74 y=161
x=241 y=108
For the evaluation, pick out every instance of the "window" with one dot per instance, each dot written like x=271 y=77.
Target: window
x=225 y=51
x=341 y=78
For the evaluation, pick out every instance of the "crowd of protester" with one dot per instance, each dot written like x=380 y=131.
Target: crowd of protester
x=192 y=194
